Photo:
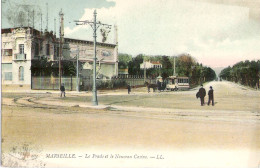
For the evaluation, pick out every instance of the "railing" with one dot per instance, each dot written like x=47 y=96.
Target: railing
x=85 y=83
x=18 y=57
x=52 y=83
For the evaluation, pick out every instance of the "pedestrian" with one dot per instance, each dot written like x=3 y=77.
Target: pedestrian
x=202 y=94
x=62 y=90
x=128 y=88
x=211 y=96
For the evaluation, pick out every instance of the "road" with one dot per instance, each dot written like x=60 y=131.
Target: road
x=170 y=123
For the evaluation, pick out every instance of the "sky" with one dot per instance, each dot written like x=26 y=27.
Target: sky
x=216 y=35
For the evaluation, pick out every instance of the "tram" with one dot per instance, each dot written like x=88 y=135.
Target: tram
x=175 y=83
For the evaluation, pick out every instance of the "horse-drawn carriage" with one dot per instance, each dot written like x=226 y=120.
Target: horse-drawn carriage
x=172 y=83
x=175 y=83
x=159 y=85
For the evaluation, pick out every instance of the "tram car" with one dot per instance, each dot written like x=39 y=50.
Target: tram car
x=175 y=83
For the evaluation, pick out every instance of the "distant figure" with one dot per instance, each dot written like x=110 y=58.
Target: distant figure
x=211 y=96
x=202 y=94
x=62 y=90
x=129 y=88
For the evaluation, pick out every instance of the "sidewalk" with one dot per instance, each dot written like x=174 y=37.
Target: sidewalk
x=42 y=91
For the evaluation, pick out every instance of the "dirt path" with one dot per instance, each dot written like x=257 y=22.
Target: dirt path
x=53 y=124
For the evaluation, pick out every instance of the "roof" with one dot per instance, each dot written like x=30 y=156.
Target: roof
x=35 y=32
x=123 y=70
x=179 y=77
x=88 y=42
x=156 y=63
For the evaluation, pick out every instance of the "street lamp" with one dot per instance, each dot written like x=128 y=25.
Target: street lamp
x=77 y=57
x=174 y=74
x=94 y=25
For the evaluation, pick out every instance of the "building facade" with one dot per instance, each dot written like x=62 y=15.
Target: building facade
x=107 y=57
x=23 y=47
x=149 y=64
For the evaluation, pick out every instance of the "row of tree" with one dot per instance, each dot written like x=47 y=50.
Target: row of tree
x=43 y=67
x=185 y=65
x=244 y=72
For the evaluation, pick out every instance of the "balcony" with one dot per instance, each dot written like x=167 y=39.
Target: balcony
x=19 y=57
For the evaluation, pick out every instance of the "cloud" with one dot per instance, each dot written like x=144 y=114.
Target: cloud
x=214 y=34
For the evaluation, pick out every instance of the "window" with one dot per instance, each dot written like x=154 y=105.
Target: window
x=36 y=49
x=21 y=73
x=8 y=76
x=56 y=51
x=8 y=52
x=21 y=48
x=47 y=49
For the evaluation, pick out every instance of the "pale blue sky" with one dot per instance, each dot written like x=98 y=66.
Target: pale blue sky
x=73 y=9
x=216 y=35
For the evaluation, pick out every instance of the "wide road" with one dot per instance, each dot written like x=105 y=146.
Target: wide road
x=172 y=124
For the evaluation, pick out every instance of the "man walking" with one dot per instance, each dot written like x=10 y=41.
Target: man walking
x=128 y=88
x=62 y=90
x=202 y=94
x=211 y=96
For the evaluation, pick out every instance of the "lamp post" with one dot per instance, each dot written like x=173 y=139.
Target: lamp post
x=94 y=25
x=174 y=74
x=144 y=71
x=77 y=70
x=61 y=43
x=77 y=87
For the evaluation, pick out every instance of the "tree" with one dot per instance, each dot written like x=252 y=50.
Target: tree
x=185 y=64
x=134 y=65
x=123 y=60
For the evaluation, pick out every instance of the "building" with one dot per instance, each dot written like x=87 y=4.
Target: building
x=23 y=48
x=107 y=64
x=20 y=46
x=149 y=64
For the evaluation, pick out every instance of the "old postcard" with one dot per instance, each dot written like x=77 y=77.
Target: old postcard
x=140 y=83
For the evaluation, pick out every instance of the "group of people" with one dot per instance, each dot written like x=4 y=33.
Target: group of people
x=202 y=93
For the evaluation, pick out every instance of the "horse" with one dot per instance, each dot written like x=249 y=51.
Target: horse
x=149 y=86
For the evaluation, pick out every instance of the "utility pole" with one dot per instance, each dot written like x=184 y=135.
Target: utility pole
x=33 y=19
x=55 y=26
x=61 y=42
x=77 y=87
x=41 y=23
x=77 y=58
x=47 y=19
x=174 y=67
x=144 y=71
x=28 y=19
x=95 y=25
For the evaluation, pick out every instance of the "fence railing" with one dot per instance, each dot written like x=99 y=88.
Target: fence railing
x=52 y=83
x=85 y=83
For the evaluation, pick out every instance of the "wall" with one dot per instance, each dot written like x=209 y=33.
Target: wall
x=12 y=41
x=106 y=55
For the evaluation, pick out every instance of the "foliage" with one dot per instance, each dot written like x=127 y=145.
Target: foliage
x=246 y=73
x=111 y=84
x=134 y=65
x=186 y=65
x=123 y=60
x=43 y=67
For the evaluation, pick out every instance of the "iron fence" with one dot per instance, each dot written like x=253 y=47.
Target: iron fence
x=85 y=83
x=52 y=83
